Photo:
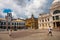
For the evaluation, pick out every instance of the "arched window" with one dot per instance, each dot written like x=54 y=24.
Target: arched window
x=56 y=11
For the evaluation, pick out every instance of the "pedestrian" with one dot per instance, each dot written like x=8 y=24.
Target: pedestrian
x=10 y=32
x=50 y=30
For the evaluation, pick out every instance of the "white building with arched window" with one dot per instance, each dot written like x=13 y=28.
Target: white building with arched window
x=50 y=19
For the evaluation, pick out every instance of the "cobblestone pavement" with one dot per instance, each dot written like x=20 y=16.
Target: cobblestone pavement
x=30 y=35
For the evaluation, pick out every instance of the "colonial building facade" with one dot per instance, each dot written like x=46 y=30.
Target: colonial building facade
x=32 y=23
x=8 y=22
x=44 y=21
x=50 y=19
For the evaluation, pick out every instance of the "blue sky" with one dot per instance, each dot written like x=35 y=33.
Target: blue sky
x=25 y=8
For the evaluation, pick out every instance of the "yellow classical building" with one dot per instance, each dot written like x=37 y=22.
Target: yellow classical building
x=32 y=23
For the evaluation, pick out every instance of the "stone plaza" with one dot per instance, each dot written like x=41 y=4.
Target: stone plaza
x=30 y=34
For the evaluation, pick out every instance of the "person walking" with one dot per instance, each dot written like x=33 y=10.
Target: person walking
x=10 y=32
x=50 y=30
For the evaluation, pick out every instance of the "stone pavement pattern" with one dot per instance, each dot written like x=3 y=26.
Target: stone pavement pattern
x=30 y=35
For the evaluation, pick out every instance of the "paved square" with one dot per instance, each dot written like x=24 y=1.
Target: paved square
x=30 y=35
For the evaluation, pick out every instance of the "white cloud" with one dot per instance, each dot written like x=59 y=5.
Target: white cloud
x=10 y=4
x=23 y=8
x=34 y=7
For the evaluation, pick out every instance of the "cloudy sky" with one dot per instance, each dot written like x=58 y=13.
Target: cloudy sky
x=24 y=8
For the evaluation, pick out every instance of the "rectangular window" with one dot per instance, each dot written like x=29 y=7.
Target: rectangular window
x=53 y=18
x=8 y=23
x=4 y=23
x=45 y=20
x=15 y=23
x=12 y=23
x=48 y=19
x=42 y=20
x=40 y=25
x=57 y=17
